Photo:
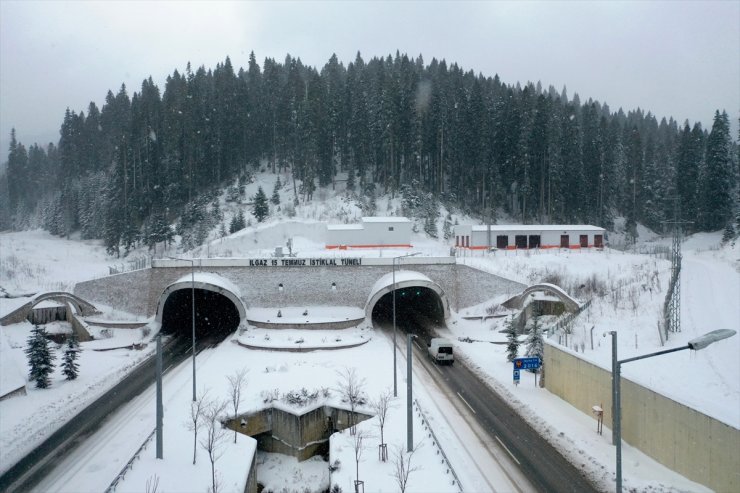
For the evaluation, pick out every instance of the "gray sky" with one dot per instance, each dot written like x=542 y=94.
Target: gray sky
x=673 y=58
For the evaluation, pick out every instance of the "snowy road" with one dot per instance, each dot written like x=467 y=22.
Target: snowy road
x=99 y=459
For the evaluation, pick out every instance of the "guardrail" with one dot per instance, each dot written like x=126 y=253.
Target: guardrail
x=130 y=464
x=440 y=450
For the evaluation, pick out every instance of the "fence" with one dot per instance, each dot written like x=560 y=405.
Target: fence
x=563 y=323
x=129 y=265
x=440 y=450
x=130 y=464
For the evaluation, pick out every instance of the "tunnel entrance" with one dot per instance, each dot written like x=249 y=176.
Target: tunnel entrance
x=416 y=308
x=215 y=314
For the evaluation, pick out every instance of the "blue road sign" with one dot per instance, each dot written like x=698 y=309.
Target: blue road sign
x=516 y=374
x=526 y=363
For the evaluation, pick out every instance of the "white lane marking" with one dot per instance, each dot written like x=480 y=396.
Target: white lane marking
x=466 y=403
x=434 y=365
x=507 y=449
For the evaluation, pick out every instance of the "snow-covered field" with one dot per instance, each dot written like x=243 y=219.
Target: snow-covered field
x=633 y=288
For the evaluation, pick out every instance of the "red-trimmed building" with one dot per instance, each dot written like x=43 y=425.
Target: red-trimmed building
x=525 y=236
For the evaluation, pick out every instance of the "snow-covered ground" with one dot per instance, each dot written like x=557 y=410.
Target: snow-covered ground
x=633 y=288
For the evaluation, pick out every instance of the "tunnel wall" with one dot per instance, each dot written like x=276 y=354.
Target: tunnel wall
x=139 y=292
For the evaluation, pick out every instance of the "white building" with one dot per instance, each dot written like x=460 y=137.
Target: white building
x=372 y=232
x=513 y=236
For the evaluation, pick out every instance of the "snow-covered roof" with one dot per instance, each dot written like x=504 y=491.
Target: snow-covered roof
x=385 y=219
x=340 y=227
x=537 y=227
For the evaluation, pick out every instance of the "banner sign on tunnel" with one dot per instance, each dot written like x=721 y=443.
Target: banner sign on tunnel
x=304 y=262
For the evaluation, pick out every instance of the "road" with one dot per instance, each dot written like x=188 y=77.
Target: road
x=537 y=460
x=32 y=469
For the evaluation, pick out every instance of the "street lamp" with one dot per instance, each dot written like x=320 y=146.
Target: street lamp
x=409 y=414
x=395 y=379
x=192 y=285
x=695 y=344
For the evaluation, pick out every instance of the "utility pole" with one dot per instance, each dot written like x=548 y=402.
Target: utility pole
x=673 y=308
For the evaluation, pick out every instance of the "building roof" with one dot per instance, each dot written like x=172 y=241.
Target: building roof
x=386 y=219
x=537 y=227
x=339 y=227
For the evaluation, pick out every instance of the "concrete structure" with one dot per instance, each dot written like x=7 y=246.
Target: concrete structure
x=514 y=236
x=23 y=312
x=297 y=282
x=693 y=444
x=300 y=434
x=372 y=232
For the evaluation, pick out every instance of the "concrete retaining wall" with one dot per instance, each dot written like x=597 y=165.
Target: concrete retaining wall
x=691 y=443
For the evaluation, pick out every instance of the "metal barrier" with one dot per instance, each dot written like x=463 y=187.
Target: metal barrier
x=563 y=323
x=427 y=426
x=130 y=464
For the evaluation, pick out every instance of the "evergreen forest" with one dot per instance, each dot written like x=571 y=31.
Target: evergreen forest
x=126 y=171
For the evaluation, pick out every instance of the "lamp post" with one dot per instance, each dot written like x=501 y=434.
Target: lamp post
x=695 y=344
x=409 y=413
x=192 y=296
x=395 y=378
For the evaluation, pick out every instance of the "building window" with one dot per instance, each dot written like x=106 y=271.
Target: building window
x=584 y=241
x=390 y=228
x=502 y=241
x=520 y=241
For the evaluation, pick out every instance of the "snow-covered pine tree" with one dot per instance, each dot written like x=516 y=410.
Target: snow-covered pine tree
x=261 y=209
x=447 y=227
x=40 y=357
x=512 y=344
x=70 y=368
x=535 y=344
x=237 y=222
x=275 y=199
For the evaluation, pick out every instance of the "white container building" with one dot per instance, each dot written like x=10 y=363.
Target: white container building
x=372 y=232
x=524 y=236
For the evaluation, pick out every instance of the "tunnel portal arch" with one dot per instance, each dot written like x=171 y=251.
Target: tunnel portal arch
x=219 y=308
x=409 y=286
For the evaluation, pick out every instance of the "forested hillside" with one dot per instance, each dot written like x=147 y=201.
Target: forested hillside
x=125 y=171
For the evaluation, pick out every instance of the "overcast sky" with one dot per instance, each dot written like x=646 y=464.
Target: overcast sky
x=673 y=58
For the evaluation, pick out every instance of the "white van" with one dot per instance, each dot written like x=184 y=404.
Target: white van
x=440 y=350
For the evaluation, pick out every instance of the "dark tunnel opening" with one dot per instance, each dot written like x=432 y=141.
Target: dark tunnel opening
x=416 y=308
x=216 y=316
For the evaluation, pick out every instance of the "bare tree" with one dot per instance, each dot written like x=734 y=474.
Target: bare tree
x=402 y=467
x=358 y=446
x=237 y=382
x=380 y=406
x=351 y=388
x=152 y=484
x=196 y=413
x=215 y=435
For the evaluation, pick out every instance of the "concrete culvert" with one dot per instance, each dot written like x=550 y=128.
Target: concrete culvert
x=215 y=314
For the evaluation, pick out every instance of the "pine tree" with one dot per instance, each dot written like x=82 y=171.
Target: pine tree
x=535 y=344
x=70 y=368
x=512 y=345
x=40 y=357
x=717 y=180
x=237 y=222
x=276 y=193
x=261 y=209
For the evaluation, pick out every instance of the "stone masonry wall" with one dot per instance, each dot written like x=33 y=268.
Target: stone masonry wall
x=138 y=292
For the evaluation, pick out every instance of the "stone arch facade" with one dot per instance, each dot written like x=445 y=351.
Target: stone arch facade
x=404 y=279
x=208 y=282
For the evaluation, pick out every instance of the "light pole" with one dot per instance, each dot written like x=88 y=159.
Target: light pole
x=409 y=414
x=695 y=344
x=395 y=378
x=192 y=296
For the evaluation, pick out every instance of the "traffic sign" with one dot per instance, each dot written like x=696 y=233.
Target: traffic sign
x=516 y=374
x=527 y=363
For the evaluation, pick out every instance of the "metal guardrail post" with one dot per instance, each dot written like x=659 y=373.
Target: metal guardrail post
x=425 y=420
